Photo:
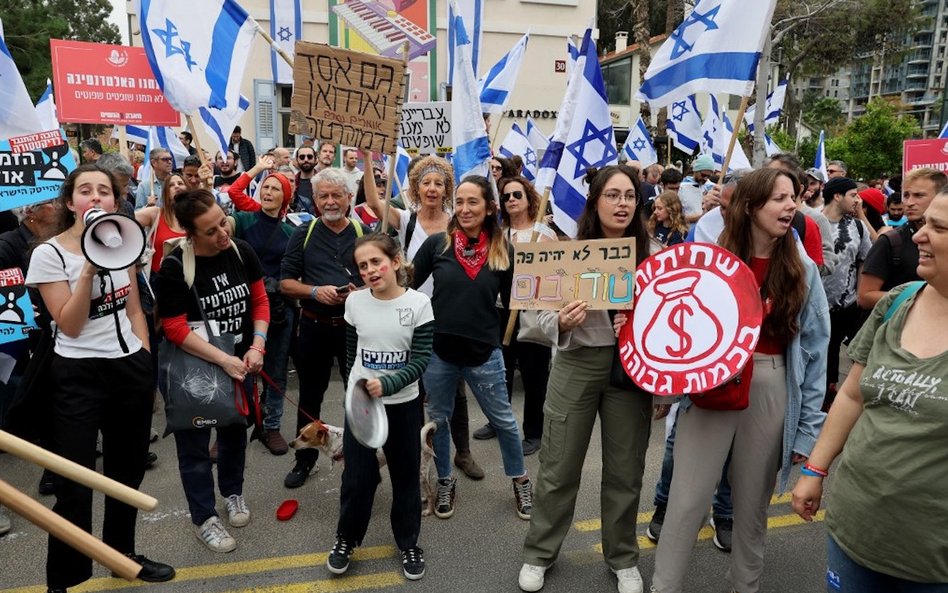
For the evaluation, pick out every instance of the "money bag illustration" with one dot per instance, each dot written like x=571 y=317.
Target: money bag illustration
x=682 y=329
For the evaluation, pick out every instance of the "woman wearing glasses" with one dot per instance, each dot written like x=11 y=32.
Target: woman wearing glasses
x=579 y=390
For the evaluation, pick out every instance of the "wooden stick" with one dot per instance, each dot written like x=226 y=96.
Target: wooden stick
x=668 y=153
x=394 y=157
x=197 y=140
x=541 y=213
x=123 y=142
x=75 y=472
x=730 y=145
x=273 y=44
x=55 y=525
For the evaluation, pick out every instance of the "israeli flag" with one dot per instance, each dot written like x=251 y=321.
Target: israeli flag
x=739 y=158
x=158 y=137
x=770 y=146
x=715 y=137
x=537 y=139
x=471 y=146
x=286 y=28
x=402 y=159
x=517 y=144
x=219 y=123
x=774 y=107
x=819 y=161
x=684 y=124
x=496 y=86
x=716 y=50
x=944 y=131
x=136 y=134
x=638 y=145
x=46 y=109
x=472 y=13
x=17 y=114
x=583 y=138
x=197 y=50
x=572 y=53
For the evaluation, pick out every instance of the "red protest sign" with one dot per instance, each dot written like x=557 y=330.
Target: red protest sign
x=99 y=83
x=931 y=153
x=695 y=323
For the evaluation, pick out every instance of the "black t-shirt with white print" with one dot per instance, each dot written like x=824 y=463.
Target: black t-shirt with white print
x=222 y=282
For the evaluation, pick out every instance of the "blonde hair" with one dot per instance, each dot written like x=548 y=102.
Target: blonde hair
x=676 y=217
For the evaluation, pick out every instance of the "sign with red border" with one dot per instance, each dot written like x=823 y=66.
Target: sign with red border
x=931 y=153
x=111 y=84
x=695 y=323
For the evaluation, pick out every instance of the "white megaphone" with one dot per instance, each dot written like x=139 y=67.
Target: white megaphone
x=111 y=241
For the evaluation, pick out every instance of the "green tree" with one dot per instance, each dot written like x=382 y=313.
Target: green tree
x=822 y=113
x=872 y=144
x=30 y=24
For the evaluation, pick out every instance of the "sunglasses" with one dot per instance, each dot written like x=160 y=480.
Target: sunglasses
x=166 y=159
x=512 y=194
x=306 y=157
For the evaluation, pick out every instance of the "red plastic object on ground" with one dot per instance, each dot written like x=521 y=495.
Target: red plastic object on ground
x=287 y=509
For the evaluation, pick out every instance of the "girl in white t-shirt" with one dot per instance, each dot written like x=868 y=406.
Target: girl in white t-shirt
x=389 y=334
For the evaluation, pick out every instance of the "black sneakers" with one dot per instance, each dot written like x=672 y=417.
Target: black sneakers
x=151 y=572
x=338 y=561
x=413 y=563
x=654 y=530
x=722 y=532
x=297 y=476
x=446 y=494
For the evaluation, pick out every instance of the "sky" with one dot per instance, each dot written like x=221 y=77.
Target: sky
x=120 y=19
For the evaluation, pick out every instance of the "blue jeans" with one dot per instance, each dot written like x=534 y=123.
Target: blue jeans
x=275 y=364
x=194 y=465
x=843 y=575
x=488 y=382
x=721 y=504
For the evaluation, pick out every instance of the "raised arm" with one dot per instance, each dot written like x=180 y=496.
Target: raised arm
x=372 y=194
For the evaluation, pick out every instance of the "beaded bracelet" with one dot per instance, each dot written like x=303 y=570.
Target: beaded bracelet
x=260 y=335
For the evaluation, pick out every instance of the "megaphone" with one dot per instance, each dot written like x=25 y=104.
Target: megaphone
x=111 y=241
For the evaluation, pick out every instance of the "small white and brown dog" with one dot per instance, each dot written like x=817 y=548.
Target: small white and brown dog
x=328 y=440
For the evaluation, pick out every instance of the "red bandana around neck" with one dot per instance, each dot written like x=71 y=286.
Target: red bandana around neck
x=471 y=257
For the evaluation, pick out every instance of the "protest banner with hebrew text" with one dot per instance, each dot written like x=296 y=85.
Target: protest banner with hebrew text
x=426 y=128
x=16 y=309
x=552 y=274
x=347 y=97
x=33 y=168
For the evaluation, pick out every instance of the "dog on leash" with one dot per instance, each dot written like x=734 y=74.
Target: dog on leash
x=328 y=440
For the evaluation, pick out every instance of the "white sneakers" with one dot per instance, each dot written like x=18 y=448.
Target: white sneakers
x=531 y=577
x=238 y=515
x=213 y=535
x=630 y=581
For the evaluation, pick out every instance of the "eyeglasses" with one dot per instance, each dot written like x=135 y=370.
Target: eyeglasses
x=165 y=159
x=834 y=171
x=613 y=197
x=511 y=194
x=306 y=157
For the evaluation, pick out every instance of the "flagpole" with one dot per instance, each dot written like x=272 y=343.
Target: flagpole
x=392 y=159
x=123 y=142
x=496 y=130
x=197 y=141
x=730 y=146
x=541 y=214
x=668 y=152
x=273 y=44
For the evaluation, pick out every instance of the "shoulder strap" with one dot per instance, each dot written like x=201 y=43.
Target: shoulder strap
x=309 y=232
x=906 y=294
x=799 y=224
x=58 y=254
x=410 y=229
x=357 y=226
x=860 y=226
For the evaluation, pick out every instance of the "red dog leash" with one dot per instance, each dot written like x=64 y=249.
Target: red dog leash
x=282 y=393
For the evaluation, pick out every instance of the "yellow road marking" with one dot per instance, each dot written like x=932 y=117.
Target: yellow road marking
x=596 y=524
x=334 y=585
x=210 y=571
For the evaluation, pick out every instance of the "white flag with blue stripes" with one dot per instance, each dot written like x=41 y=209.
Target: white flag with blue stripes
x=197 y=50
x=638 y=145
x=716 y=135
x=219 y=123
x=572 y=54
x=588 y=142
x=716 y=49
x=472 y=12
x=498 y=84
x=537 y=139
x=157 y=137
x=17 y=113
x=136 y=134
x=286 y=28
x=819 y=161
x=739 y=158
x=944 y=131
x=774 y=107
x=770 y=146
x=516 y=143
x=46 y=109
x=402 y=159
x=471 y=146
x=684 y=124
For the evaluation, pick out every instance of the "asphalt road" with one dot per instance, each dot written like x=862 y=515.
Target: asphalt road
x=478 y=550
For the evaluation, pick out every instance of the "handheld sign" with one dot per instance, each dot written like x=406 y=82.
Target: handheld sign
x=347 y=97
x=696 y=321
x=550 y=275
x=426 y=128
x=33 y=168
x=16 y=309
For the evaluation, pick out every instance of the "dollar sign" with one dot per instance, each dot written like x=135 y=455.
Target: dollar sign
x=676 y=320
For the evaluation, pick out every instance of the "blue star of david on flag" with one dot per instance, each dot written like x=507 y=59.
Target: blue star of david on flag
x=679 y=110
x=530 y=158
x=167 y=36
x=695 y=18
x=285 y=34
x=638 y=144
x=590 y=135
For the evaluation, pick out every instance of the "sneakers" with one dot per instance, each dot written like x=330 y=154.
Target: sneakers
x=4 y=522
x=446 y=493
x=485 y=433
x=722 y=532
x=531 y=577
x=299 y=473
x=274 y=442
x=630 y=581
x=465 y=462
x=654 y=530
x=338 y=560
x=213 y=535
x=150 y=460
x=238 y=515
x=523 y=494
x=47 y=483
x=413 y=563
x=530 y=446
x=151 y=572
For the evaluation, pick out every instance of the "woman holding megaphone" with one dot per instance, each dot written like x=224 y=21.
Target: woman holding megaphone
x=101 y=376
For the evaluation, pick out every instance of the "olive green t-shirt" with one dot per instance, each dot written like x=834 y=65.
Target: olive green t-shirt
x=888 y=502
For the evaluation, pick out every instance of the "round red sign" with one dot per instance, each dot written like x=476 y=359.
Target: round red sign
x=695 y=323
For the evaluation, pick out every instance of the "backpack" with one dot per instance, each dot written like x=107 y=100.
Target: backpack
x=187 y=256
x=799 y=225
x=355 y=224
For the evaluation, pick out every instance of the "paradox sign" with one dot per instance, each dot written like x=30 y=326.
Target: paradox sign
x=347 y=97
